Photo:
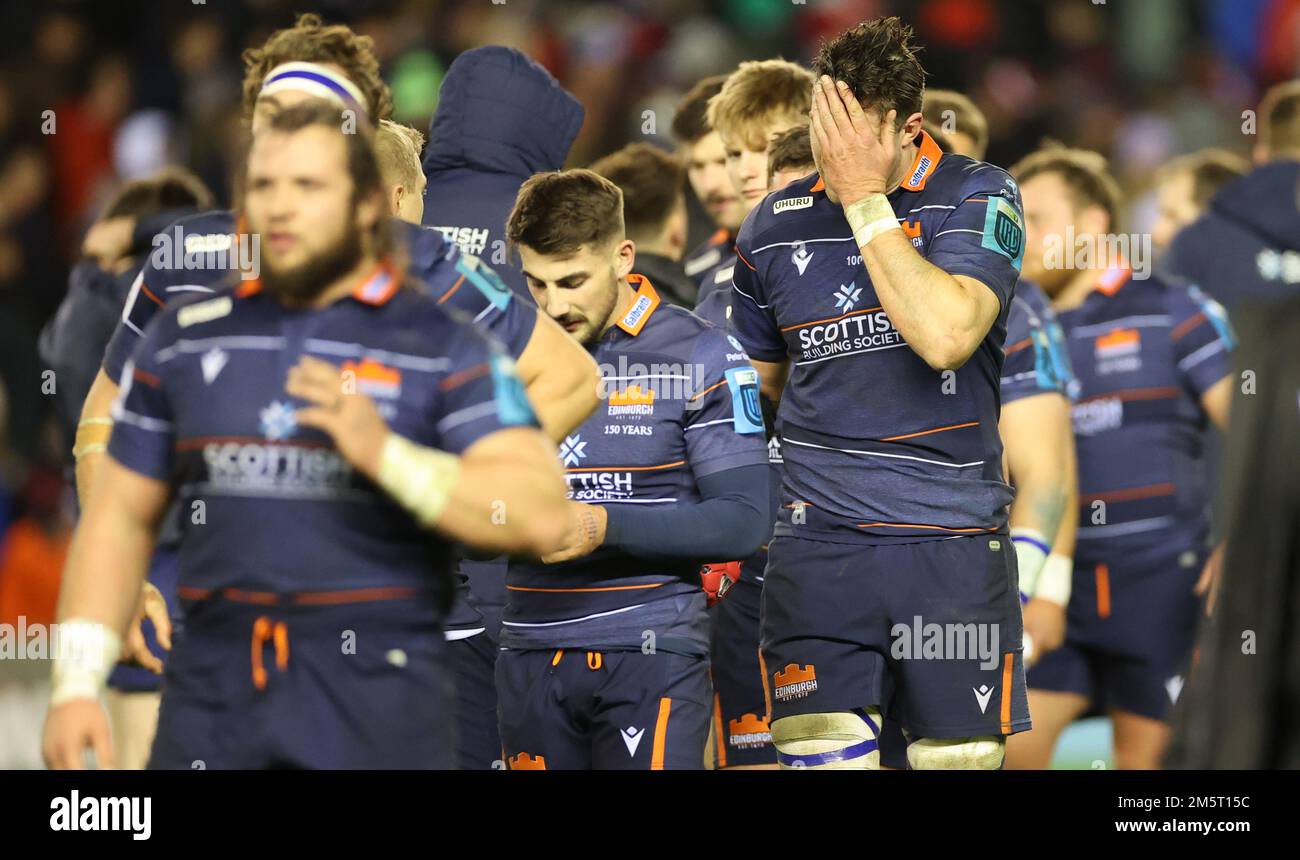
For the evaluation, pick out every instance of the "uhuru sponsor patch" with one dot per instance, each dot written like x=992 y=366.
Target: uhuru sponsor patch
x=747 y=414
x=213 y=309
x=791 y=203
x=1004 y=230
x=512 y=404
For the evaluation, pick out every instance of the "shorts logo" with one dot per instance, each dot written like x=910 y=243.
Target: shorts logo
x=982 y=695
x=801 y=257
x=790 y=204
x=573 y=450
x=278 y=421
x=795 y=682
x=748 y=732
x=631 y=738
x=524 y=761
x=846 y=298
x=374 y=379
x=1174 y=686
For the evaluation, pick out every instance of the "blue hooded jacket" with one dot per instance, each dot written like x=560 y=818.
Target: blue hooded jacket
x=1245 y=247
x=501 y=118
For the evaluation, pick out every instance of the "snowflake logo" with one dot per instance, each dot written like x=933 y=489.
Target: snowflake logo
x=573 y=450
x=278 y=421
x=847 y=297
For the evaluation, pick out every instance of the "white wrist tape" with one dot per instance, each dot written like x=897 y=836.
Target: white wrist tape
x=1031 y=552
x=86 y=652
x=870 y=217
x=1055 y=579
x=418 y=477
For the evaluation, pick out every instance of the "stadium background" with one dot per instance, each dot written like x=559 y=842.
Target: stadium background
x=134 y=85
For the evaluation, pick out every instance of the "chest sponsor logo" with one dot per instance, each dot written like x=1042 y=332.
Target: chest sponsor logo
x=573 y=450
x=1098 y=416
x=373 y=379
x=795 y=682
x=632 y=401
x=212 y=362
x=723 y=276
x=278 y=420
x=277 y=469
x=846 y=297
x=1118 y=351
x=470 y=240
x=801 y=257
x=862 y=331
x=201 y=312
x=1281 y=266
x=791 y=204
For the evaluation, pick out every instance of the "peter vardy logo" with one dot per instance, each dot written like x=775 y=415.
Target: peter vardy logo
x=573 y=450
x=278 y=421
x=847 y=297
x=801 y=257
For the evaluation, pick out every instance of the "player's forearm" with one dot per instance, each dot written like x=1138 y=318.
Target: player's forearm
x=935 y=314
x=93 y=431
x=560 y=377
x=772 y=376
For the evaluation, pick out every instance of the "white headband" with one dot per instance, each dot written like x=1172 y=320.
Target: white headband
x=320 y=81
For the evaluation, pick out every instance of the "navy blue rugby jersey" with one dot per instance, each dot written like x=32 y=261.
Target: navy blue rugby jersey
x=878 y=446
x=716 y=255
x=680 y=404
x=1145 y=352
x=1037 y=358
x=198 y=253
x=203 y=407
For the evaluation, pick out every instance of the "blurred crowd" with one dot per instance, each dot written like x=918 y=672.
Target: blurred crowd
x=96 y=94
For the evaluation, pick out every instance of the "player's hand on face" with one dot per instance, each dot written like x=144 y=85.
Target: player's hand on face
x=857 y=153
x=1208 y=583
x=337 y=408
x=1045 y=624
x=70 y=729
x=586 y=532
x=135 y=649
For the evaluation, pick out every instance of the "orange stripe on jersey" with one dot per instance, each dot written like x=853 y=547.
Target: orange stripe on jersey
x=928 y=432
x=1103 y=591
x=1018 y=345
x=718 y=384
x=1187 y=325
x=460 y=378
x=719 y=736
x=452 y=291
x=1135 y=394
x=767 y=686
x=1008 y=661
x=147 y=378
x=742 y=259
x=585 y=590
x=1129 y=494
x=661 y=734
x=150 y=294
x=832 y=319
x=629 y=468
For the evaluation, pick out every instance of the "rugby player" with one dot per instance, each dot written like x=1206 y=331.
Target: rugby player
x=1152 y=362
x=706 y=170
x=894 y=507
x=397 y=149
x=963 y=125
x=653 y=183
x=1246 y=246
x=327 y=415
x=1185 y=185
x=605 y=661
x=789 y=157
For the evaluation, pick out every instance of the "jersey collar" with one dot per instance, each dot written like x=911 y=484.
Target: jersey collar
x=377 y=289
x=1113 y=278
x=647 y=299
x=927 y=159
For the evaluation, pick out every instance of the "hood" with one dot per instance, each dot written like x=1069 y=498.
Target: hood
x=1265 y=202
x=500 y=111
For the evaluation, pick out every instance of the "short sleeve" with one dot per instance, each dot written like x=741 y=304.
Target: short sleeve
x=752 y=317
x=983 y=238
x=480 y=394
x=1202 y=338
x=1036 y=358
x=143 y=437
x=142 y=305
x=723 y=422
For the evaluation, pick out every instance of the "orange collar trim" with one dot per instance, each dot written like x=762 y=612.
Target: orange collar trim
x=927 y=159
x=1113 y=278
x=720 y=236
x=645 y=303
x=377 y=289
x=819 y=185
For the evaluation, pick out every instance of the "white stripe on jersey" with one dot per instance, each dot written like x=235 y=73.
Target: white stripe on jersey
x=570 y=620
x=469 y=413
x=1134 y=527
x=1146 y=321
x=1201 y=354
x=785 y=441
x=264 y=343
x=396 y=359
x=802 y=242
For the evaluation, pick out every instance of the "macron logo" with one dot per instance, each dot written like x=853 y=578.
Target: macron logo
x=631 y=739
x=791 y=203
x=982 y=695
x=212 y=362
x=801 y=257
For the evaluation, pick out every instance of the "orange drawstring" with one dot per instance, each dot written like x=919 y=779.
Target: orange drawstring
x=278 y=633
x=594 y=660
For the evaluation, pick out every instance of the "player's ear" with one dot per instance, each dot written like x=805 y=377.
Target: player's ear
x=911 y=127
x=624 y=258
